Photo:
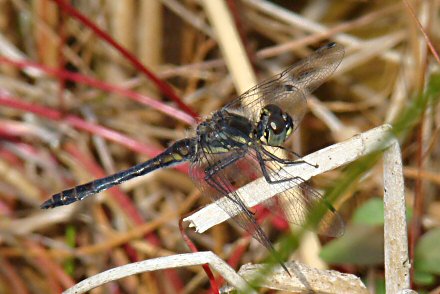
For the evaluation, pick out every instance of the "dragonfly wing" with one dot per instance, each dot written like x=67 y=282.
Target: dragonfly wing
x=219 y=176
x=299 y=200
x=276 y=91
x=309 y=73
x=289 y=88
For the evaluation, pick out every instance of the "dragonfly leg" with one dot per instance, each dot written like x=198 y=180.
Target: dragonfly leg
x=235 y=200
x=214 y=179
x=266 y=173
x=287 y=161
x=221 y=164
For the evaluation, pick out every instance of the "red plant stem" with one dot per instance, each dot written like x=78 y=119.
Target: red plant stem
x=127 y=206
x=235 y=257
x=78 y=123
x=14 y=129
x=169 y=110
x=16 y=103
x=164 y=87
x=10 y=157
x=193 y=248
x=81 y=124
x=423 y=30
x=175 y=280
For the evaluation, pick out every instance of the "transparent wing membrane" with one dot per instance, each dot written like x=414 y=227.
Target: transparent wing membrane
x=242 y=142
x=299 y=201
x=290 y=88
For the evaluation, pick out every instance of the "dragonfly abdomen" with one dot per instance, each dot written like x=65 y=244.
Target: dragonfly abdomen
x=180 y=151
x=71 y=195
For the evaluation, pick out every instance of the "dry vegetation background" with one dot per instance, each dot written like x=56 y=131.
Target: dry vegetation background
x=73 y=108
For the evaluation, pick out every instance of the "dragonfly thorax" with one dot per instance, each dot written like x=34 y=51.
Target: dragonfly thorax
x=224 y=132
x=274 y=126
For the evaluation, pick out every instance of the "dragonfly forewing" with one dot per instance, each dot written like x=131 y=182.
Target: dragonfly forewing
x=290 y=88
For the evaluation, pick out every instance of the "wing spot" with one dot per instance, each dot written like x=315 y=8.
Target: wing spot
x=289 y=87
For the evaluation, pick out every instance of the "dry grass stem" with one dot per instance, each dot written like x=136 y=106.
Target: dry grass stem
x=397 y=263
x=160 y=263
x=229 y=41
x=306 y=279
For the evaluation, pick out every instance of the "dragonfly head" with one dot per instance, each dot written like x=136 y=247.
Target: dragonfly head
x=274 y=126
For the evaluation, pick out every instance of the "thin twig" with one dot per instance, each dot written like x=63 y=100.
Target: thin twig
x=422 y=29
x=230 y=43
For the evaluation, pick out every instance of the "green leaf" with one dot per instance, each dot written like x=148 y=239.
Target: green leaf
x=427 y=255
x=370 y=213
x=361 y=245
x=380 y=286
x=423 y=279
x=69 y=264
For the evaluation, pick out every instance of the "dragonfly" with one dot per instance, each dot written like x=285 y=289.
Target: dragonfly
x=241 y=142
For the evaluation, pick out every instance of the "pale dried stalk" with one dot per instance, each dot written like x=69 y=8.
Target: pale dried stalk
x=399 y=93
x=28 y=192
x=230 y=44
x=305 y=279
x=190 y=17
x=122 y=22
x=395 y=230
x=121 y=26
x=149 y=33
x=160 y=263
x=369 y=50
x=9 y=50
x=339 y=130
x=46 y=44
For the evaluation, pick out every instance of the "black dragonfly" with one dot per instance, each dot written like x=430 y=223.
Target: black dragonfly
x=239 y=143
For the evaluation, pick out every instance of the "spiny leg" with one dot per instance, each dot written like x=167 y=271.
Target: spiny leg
x=286 y=161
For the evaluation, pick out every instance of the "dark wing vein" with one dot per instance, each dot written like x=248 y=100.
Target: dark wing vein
x=299 y=200
x=292 y=84
x=221 y=187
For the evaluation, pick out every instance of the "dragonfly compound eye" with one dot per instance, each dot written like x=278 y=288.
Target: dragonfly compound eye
x=274 y=126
